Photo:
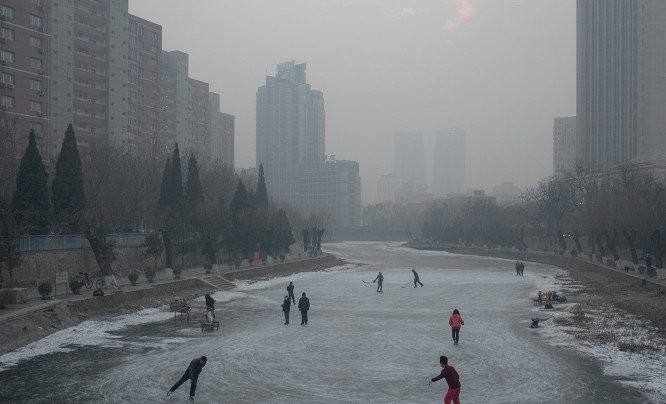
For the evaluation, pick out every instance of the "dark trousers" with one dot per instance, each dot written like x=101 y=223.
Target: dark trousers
x=304 y=317
x=182 y=380
x=379 y=287
x=417 y=281
x=455 y=333
x=291 y=296
x=286 y=317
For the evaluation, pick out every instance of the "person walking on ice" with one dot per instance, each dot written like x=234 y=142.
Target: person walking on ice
x=379 y=279
x=455 y=321
x=191 y=373
x=452 y=379
x=290 y=289
x=286 y=306
x=416 y=278
x=304 y=306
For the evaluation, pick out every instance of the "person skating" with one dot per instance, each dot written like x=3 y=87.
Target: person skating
x=191 y=373
x=379 y=279
x=452 y=379
x=522 y=268
x=304 y=306
x=416 y=278
x=290 y=289
x=286 y=306
x=517 y=268
x=455 y=321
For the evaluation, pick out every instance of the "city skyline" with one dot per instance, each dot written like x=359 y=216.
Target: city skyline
x=395 y=66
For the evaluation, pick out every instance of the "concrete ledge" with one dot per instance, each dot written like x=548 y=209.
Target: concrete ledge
x=113 y=299
x=285 y=268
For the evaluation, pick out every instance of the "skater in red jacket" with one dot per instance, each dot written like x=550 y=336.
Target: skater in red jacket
x=455 y=321
x=449 y=373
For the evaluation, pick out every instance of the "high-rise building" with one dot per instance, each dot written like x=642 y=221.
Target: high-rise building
x=290 y=125
x=92 y=64
x=409 y=155
x=449 y=162
x=621 y=82
x=564 y=145
x=291 y=148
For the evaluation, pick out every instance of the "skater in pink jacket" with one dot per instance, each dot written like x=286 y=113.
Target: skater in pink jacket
x=455 y=321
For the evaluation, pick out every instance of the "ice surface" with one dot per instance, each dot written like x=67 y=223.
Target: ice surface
x=359 y=346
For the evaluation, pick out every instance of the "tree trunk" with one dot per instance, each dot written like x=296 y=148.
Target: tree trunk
x=600 y=244
x=100 y=257
x=631 y=241
x=563 y=243
x=320 y=233
x=577 y=241
x=168 y=251
x=656 y=244
x=610 y=243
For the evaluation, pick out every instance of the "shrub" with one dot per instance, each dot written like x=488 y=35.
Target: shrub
x=574 y=252
x=610 y=262
x=641 y=269
x=207 y=267
x=150 y=275
x=237 y=263
x=652 y=272
x=177 y=272
x=75 y=286
x=282 y=257
x=45 y=290
x=133 y=277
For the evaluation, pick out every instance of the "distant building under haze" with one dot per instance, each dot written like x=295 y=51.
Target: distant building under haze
x=564 y=145
x=449 y=163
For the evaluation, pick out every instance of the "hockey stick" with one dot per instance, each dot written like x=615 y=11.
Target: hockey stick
x=366 y=281
x=407 y=284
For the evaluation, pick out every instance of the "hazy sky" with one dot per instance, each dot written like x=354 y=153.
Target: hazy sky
x=499 y=69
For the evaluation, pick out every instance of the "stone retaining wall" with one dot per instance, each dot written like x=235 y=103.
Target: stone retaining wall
x=114 y=299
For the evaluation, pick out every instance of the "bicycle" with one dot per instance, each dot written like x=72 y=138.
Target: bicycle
x=87 y=281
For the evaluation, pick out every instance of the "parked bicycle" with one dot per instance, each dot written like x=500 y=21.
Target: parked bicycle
x=86 y=281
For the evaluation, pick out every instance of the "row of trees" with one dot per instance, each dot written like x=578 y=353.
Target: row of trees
x=579 y=213
x=209 y=215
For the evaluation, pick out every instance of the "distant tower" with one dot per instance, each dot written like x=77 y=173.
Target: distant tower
x=564 y=145
x=449 y=162
x=290 y=126
x=410 y=157
x=621 y=82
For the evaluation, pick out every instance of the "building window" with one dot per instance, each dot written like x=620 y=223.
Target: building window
x=35 y=106
x=35 y=63
x=36 y=20
x=156 y=36
x=7 y=12
x=7 y=101
x=7 y=123
x=7 y=56
x=153 y=48
x=38 y=2
x=6 y=34
x=35 y=85
x=37 y=128
x=140 y=31
x=153 y=140
x=132 y=25
x=36 y=42
x=7 y=79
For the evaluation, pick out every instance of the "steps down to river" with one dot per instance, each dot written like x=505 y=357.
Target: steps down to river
x=218 y=282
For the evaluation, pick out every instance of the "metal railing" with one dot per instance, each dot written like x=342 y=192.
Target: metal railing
x=62 y=242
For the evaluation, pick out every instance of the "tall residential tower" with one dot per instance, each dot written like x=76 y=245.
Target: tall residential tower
x=449 y=162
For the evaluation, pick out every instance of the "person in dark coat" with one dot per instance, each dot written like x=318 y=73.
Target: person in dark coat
x=210 y=306
x=290 y=289
x=286 y=306
x=304 y=306
x=379 y=279
x=191 y=373
x=522 y=268
x=416 y=278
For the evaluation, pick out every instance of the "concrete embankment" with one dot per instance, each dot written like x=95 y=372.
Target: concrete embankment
x=32 y=321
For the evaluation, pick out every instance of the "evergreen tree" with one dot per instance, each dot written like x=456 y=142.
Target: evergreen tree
x=193 y=185
x=262 y=192
x=176 y=183
x=164 y=186
x=67 y=195
x=240 y=199
x=30 y=203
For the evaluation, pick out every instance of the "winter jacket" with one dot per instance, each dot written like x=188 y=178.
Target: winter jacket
x=303 y=304
x=451 y=376
x=194 y=369
x=286 y=305
x=455 y=321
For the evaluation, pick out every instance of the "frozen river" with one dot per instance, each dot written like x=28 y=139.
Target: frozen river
x=359 y=346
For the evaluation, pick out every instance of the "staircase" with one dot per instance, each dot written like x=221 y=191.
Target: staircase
x=218 y=282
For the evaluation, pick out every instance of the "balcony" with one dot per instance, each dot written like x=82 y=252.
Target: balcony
x=89 y=31
x=85 y=105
